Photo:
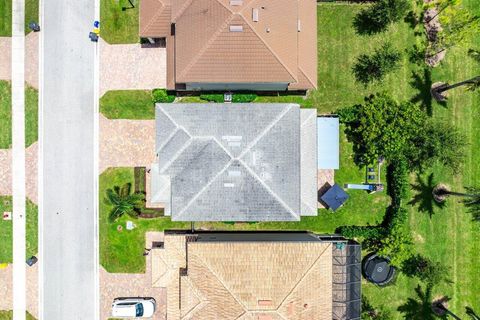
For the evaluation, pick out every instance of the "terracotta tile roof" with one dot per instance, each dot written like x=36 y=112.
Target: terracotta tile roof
x=280 y=46
x=250 y=280
x=155 y=18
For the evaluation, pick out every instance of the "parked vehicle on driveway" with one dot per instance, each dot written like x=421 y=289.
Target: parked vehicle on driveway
x=133 y=307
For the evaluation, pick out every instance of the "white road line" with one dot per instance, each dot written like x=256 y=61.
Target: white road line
x=18 y=159
x=40 y=163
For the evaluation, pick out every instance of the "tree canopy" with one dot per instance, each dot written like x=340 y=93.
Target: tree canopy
x=458 y=26
x=384 y=127
x=377 y=17
x=374 y=67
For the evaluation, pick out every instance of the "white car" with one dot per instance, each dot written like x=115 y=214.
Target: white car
x=133 y=307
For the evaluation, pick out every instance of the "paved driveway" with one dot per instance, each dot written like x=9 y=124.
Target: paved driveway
x=114 y=285
x=126 y=143
x=30 y=172
x=129 y=66
x=6 y=294
x=31 y=58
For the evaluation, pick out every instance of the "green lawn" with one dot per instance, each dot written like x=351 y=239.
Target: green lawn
x=5 y=18
x=117 y=26
x=127 y=104
x=5 y=115
x=6 y=230
x=122 y=251
x=449 y=236
x=31 y=115
x=31 y=13
x=8 y=315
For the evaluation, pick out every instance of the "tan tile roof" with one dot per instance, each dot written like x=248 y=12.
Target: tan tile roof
x=155 y=18
x=268 y=50
x=250 y=280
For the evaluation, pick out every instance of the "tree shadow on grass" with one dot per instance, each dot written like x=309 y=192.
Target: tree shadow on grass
x=424 y=196
x=420 y=306
x=471 y=313
x=422 y=82
x=363 y=24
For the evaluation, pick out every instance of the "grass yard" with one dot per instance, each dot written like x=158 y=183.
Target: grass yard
x=122 y=251
x=6 y=230
x=5 y=115
x=31 y=115
x=117 y=26
x=127 y=104
x=449 y=236
x=8 y=315
x=31 y=13
x=5 y=18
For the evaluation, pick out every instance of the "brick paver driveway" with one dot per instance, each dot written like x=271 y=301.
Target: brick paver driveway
x=30 y=173
x=126 y=143
x=129 y=66
x=31 y=58
x=6 y=293
x=114 y=285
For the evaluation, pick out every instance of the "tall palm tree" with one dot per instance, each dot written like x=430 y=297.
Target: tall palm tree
x=124 y=202
x=471 y=198
x=438 y=90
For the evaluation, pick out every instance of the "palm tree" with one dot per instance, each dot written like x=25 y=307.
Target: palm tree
x=424 y=197
x=471 y=198
x=124 y=202
x=439 y=89
x=420 y=307
x=439 y=6
x=440 y=308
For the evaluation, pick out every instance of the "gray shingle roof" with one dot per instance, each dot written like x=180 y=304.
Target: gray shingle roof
x=231 y=162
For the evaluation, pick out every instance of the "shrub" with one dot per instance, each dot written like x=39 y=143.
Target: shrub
x=426 y=270
x=377 y=17
x=215 y=97
x=397 y=245
x=237 y=97
x=244 y=97
x=364 y=232
x=397 y=180
x=161 y=96
x=347 y=115
x=370 y=68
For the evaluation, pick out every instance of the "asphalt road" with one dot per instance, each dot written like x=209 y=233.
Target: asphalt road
x=68 y=237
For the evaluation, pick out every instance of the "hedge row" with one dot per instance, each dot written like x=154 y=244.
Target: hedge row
x=237 y=97
x=392 y=237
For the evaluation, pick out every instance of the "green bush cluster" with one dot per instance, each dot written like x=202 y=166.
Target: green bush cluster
x=374 y=67
x=237 y=97
x=397 y=180
x=377 y=17
x=162 y=96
